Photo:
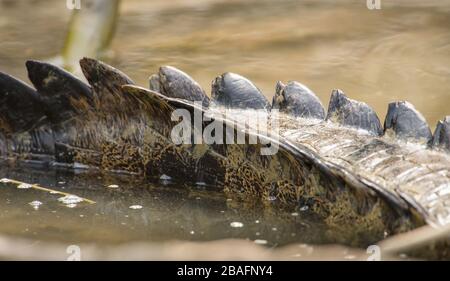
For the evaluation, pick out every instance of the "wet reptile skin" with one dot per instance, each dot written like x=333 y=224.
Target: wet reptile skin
x=363 y=185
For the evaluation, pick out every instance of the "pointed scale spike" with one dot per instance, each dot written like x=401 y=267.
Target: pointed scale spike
x=353 y=113
x=154 y=83
x=64 y=95
x=297 y=100
x=20 y=106
x=405 y=122
x=234 y=91
x=106 y=82
x=174 y=83
x=441 y=137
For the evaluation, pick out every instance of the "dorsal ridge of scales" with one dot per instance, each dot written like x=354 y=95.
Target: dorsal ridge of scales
x=59 y=97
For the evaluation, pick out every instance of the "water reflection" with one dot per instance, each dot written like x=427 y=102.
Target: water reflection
x=138 y=211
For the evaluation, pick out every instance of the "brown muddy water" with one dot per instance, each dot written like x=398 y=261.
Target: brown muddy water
x=401 y=52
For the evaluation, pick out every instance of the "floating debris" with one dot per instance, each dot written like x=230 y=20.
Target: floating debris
x=71 y=206
x=24 y=186
x=61 y=182
x=236 y=224
x=295 y=214
x=70 y=199
x=35 y=204
x=192 y=232
x=256 y=221
x=113 y=186
x=165 y=178
x=304 y=208
x=260 y=242
x=272 y=198
x=274 y=229
x=136 y=207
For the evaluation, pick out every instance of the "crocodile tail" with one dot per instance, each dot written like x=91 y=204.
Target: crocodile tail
x=241 y=168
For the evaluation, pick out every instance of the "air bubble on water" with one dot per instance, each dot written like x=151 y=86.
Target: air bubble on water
x=257 y=233
x=229 y=199
x=71 y=206
x=5 y=180
x=70 y=199
x=113 y=186
x=165 y=178
x=272 y=198
x=304 y=208
x=135 y=207
x=236 y=224
x=274 y=229
x=256 y=221
x=295 y=214
x=35 y=204
x=61 y=182
x=24 y=186
x=192 y=232
x=260 y=242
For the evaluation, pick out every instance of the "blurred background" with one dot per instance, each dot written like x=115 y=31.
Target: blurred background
x=400 y=52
